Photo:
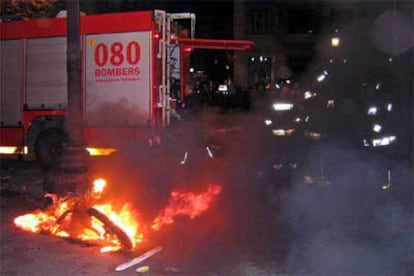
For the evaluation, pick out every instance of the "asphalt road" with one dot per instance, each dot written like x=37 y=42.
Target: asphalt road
x=223 y=241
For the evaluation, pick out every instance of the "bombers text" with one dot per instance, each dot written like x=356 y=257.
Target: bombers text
x=123 y=71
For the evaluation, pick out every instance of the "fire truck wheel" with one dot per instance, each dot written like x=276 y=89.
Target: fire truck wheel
x=111 y=227
x=49 y=148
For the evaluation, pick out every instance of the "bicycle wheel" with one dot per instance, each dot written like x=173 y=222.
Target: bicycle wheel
x=114 y=229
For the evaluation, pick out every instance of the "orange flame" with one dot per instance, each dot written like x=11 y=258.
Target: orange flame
x=189 y=204
x=60 y=219
x=36 y=222
x=124 y=219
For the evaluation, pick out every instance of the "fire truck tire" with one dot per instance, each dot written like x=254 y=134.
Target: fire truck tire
x=49 y=148
x=118 y=232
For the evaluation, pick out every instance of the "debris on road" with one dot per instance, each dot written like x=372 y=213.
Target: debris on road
x=139 y=259
x=143 y=269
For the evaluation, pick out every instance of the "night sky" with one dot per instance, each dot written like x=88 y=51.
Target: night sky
x=214 y=19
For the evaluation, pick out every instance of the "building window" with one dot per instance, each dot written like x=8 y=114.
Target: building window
x=259 y=22
x=298 y=64
x=300 y=21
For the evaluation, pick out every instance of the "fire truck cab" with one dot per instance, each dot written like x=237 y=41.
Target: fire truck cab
x=127 y=63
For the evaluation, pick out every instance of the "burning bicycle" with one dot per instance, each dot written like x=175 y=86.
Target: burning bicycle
x=85 y=217
x=90 y=218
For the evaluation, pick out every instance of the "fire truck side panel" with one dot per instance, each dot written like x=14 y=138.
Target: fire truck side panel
x=46 y=77
x=11 y=93
x=11 y=70
x=118 y=79
x=113 y=45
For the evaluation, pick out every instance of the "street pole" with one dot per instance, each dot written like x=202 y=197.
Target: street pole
x=75 y=102
x=72 y=175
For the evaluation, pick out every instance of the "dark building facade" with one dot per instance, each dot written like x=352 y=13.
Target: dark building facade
x=285 y=34
x=289 y=34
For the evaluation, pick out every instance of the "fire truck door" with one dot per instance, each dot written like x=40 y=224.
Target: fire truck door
x=11 y=72
x=46 y=77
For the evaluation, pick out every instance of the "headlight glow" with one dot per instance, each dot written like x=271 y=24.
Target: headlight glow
x=282 y=106
x=320 y=78
x=282 y=132
x=376 y=128
x=372 y=110
x=380 y=142
x=308 y=95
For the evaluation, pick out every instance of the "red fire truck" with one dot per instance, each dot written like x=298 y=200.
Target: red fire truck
x=128 y=60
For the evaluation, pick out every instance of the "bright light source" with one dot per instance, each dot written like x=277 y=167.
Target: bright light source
x=188 y=49
x=321 y=77
x=282 y=132
x=330 y=104
x=99 y=185
x=312 y=135
x=282 y=106
x=191 y=70
x=222 y=87
x=308 y=95
x=376 y=128
x=384 y=141
x=8 y=150
x=372 y=110
x=209 y=152
x=100 y=151
x=388 y=184
x=389 y=107
x=268 y=122
x=335 y=41
x=14 y=150
x=377 y=87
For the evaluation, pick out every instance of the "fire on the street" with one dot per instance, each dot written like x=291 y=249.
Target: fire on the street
x=189 y=204
x=88 y=218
